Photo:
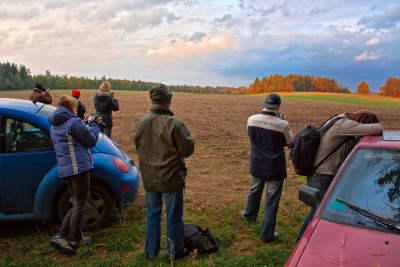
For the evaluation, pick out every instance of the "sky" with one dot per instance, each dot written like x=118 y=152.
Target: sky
x=204 y=42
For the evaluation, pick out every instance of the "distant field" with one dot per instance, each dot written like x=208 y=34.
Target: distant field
x=369 y=100
x=217 y=185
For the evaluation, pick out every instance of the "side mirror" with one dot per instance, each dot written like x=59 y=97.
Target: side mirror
x=309 y=196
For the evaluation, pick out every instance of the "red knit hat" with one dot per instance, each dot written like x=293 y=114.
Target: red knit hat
x=76 y=93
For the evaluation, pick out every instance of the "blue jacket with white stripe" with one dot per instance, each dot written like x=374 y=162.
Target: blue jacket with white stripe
x=72 y=140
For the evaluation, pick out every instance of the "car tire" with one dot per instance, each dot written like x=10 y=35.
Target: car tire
x=98 y=209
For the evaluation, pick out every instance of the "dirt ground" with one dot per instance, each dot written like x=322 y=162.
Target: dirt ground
x=219 y=166
x=218 y=170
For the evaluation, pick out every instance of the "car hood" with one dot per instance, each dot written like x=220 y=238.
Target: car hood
x=334 y=244
x=108 y=146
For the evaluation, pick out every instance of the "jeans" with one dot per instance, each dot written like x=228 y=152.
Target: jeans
x=175 y=226
x=78 y=186
x=273 y=197
x=322 y=183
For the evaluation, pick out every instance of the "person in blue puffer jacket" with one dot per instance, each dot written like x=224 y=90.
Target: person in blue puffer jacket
x=72 y=140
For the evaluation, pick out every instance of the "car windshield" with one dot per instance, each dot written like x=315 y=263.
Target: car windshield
x=367 y=193
x=45 y=110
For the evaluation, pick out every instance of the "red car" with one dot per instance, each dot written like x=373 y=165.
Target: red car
x=358 y=221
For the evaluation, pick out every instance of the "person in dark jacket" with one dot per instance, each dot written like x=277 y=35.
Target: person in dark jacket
x=162 y=144
x=269 y=133
x=81 y=108
x=41 y=94
x=105 y=103
x=72 y=140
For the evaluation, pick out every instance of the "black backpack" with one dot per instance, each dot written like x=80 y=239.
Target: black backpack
x=197 y=238
x=305 y=146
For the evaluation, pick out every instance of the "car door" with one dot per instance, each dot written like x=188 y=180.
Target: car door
x=26 y=156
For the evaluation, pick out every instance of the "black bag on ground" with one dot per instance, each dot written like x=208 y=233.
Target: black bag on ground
x=305 y=146
x=197 y=238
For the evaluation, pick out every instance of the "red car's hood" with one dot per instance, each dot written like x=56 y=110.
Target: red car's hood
x=333 y=244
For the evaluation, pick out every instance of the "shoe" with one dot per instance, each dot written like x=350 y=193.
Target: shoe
x=85 y=240
x=62 y=245
x=276 y=236
x=246 y=218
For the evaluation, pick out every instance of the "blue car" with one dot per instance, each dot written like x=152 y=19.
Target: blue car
x=30 y=188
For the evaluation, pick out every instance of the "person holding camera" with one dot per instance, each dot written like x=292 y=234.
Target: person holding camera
x=105 y=103
x=41 y=94
x=162 y=144
x=269 y=134
x=81 y=108
x=72 y=140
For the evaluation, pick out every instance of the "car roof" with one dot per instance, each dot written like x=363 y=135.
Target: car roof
x=389 y=139
x=36 y=113
x=19 y=104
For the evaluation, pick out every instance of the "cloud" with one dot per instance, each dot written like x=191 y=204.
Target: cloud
x=373 y=41
x=385 y=20
x=367 y=56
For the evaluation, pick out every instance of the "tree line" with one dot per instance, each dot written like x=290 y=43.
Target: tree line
x=18 y=77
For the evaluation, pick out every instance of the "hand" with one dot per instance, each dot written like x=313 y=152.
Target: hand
x=98 y=121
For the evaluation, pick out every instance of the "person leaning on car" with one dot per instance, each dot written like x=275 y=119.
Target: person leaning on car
x=41 y=94
x=162 y=144
x=72 y=140
x=352 y=126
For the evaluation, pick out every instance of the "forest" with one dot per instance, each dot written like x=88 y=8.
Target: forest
x=19 y=77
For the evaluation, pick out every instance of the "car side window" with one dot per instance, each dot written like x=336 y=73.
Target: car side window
x=23 y=136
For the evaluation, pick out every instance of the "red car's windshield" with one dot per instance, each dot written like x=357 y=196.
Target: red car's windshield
x=367 y=193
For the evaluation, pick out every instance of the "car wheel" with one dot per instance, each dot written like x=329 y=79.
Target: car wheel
x=98 y=209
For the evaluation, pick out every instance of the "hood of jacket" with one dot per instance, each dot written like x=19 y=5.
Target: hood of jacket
x=101 y=94
x=60 y=115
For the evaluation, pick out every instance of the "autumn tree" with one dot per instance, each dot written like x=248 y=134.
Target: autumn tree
x=391 y=87
x=363 y=88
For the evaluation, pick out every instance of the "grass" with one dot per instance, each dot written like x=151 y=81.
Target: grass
x=355 y=99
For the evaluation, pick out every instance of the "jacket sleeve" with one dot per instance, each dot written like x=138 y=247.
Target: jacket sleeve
x=85 y=135
x=288 y=134
x=183 y=140
x=353 y=128
x=114 y=105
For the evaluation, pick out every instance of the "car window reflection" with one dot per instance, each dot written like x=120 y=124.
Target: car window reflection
x=370 y=181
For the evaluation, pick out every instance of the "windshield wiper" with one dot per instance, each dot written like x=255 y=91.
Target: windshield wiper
x=379 y=219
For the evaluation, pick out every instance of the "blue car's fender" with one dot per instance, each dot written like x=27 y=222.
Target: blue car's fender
x=46 y=193
x=106 y=171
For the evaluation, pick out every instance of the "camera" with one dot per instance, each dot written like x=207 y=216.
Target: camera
x=93 y=117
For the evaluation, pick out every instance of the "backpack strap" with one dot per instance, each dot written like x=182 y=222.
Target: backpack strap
x=323 y=129
x=210 y=238
x=331 y=153
x=328 y=124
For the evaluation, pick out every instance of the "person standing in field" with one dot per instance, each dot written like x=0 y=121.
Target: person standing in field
x=41 y=94
x=105 y=103
x=81 y=108
x=72 y=140
x=162 y=143
x=342 y=136
x=269 y=134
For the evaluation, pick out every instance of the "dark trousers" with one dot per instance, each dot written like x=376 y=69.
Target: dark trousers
x=78 y=186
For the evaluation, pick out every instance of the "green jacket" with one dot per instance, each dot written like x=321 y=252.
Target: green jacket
x=162 y=143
